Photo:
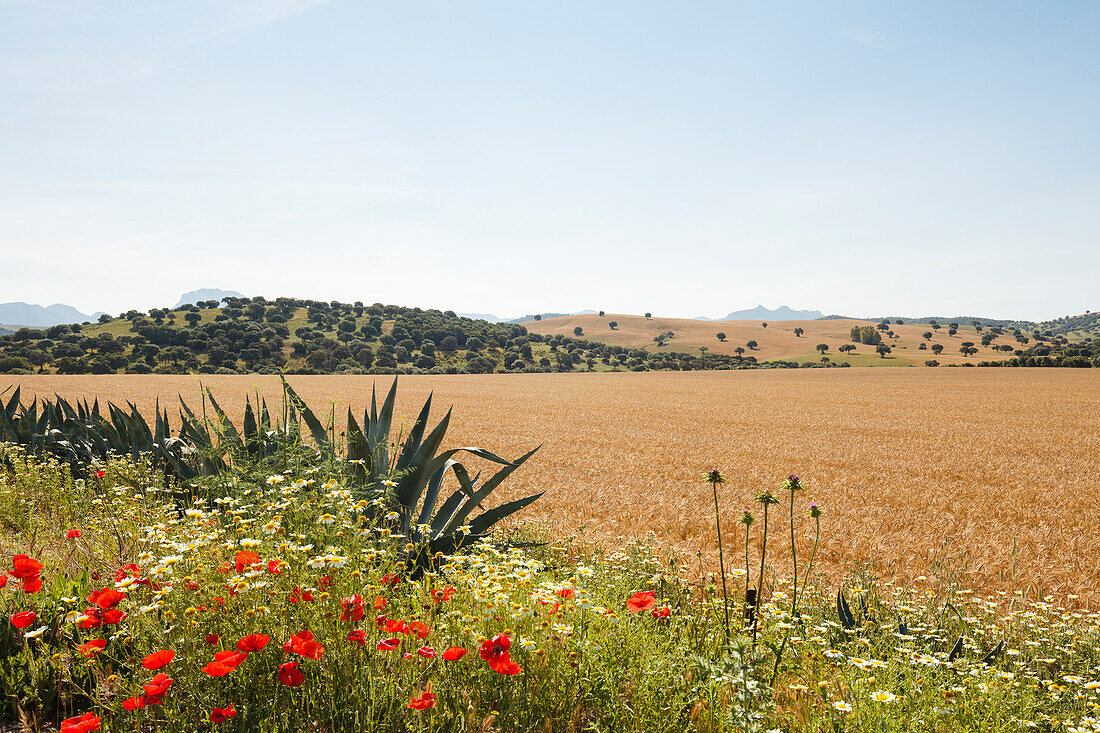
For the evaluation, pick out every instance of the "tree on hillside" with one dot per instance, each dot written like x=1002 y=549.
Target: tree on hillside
x=751 y=344
x=882 y=350
x=937 y=348
x=936 y=326
x=846 y=347
x=739 y=350
x=764 y=324
x=601 y=314
x=822 y=348
x=927 y=335
x=721 y=336
x=192 y=318
x=899 y=322
x=798 y=332
x=648 y=315
x=538 y=317
x=614 y=325
x=931 y=363
x=967 y=348
x=578 y=331
x=952 y=330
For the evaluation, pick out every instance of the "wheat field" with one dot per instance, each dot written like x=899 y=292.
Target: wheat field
x=984 y=475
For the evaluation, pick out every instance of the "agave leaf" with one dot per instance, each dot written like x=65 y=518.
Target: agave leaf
x=416 y=434
x=225 y=425
x=320 y=435
x=992 y=654
x=955 y=650
x=844 y=612
x=481 y=494
x=482 y=522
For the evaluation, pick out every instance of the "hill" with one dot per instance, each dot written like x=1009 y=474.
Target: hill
x=794 y=341
x=257 y=335
x=782 y=313
x=195 y=296
x=37 y=316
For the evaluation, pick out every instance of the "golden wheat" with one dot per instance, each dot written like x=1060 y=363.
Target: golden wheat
x=920 y=472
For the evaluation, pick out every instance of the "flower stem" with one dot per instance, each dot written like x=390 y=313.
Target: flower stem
x=721 y=561
x=760 y=578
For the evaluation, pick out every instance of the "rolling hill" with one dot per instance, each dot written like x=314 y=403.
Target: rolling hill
x=776 y=342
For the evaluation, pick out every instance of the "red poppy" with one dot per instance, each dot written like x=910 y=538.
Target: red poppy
x=426 y=651
x=90 y=619
x=217 y=669
x=106 y=598
x=324 y=581
x=220 y=715
x=380 y=621
x=419 y=629
x=157 y=686
x=213 y=639
x=441 y=595
x=661 y=612
x=245 y=559
x=640 y=601
x=133 y=703
x=23 y=619
x=425 y=701
x=32 y=583
x=394 y=626
x=391 y=579
x=389 y=645
x=24 y=565
x=454 y=653
x=379 y=603
x=495 y=652
x=566 y=592
x=91 y=648
x=299 y=594
x=85 y=723
x=157 y=660
x=253 y=642
x=358 y=636
x=3 y=579
x=113 y=616
x=352 y=608
x=290 y=675
x=100 y=474
x=303 y=644
x=274 y=567
x=72 y=534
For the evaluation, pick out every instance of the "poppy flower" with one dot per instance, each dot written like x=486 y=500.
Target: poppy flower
x=275 y=568
x=23 y=619
x=659 y=613
x=425 y=701
x=426 y=651
x=91 y=648
x=389 y=645
x=352 y=608
x=303 y=644
x=113 y=616
x=640 y=601
x=24 y=565
x=379 y=603
x=3 y=579
x=217 y=669
x=157 y=686
x=32 y=584
x=442 y=595
x=290 y=675
x=85 y=723
x=324 y=581
x=253 y=642
x=358 y=636
x=395 y=626
x=380 y=621
x=90 y=619
x=419 y=629
x=230 y=658
x=72 y=534
x=495 y=652
x=220 y=715
x=391 y=579
x=213 y=639
x=454 y=653
x=157 y=660
x=106 y=599
x=133 y=703
x=245 y=559
x=566 y=592
x=100 y=474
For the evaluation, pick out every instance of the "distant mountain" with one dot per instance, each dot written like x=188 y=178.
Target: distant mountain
x=481 y=317
x=782 y=313
x=5 y=331
x=207 y=294
x=531 y=316
x=29 y=314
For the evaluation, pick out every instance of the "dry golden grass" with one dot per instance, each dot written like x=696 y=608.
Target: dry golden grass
x=907 y=463
x=778 y=340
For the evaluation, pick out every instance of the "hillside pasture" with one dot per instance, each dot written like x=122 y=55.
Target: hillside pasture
x=777 y=341
x=979 y=474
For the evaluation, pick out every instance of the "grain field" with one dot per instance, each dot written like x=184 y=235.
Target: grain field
x=986 y=473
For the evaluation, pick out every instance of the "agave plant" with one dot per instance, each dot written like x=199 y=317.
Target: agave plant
x=205 y=446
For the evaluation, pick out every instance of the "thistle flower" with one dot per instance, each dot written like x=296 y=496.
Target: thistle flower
x=767 y=498
x=815 y=511
x=747 y=519
x=713 y=476
x=792 y=483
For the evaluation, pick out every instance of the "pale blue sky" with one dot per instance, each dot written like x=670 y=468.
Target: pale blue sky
x=508 y=157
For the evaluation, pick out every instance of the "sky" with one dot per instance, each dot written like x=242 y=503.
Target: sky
x=687 y=159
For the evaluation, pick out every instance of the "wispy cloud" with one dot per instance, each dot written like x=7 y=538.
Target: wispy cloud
x=234 y=17
x=870 y=37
